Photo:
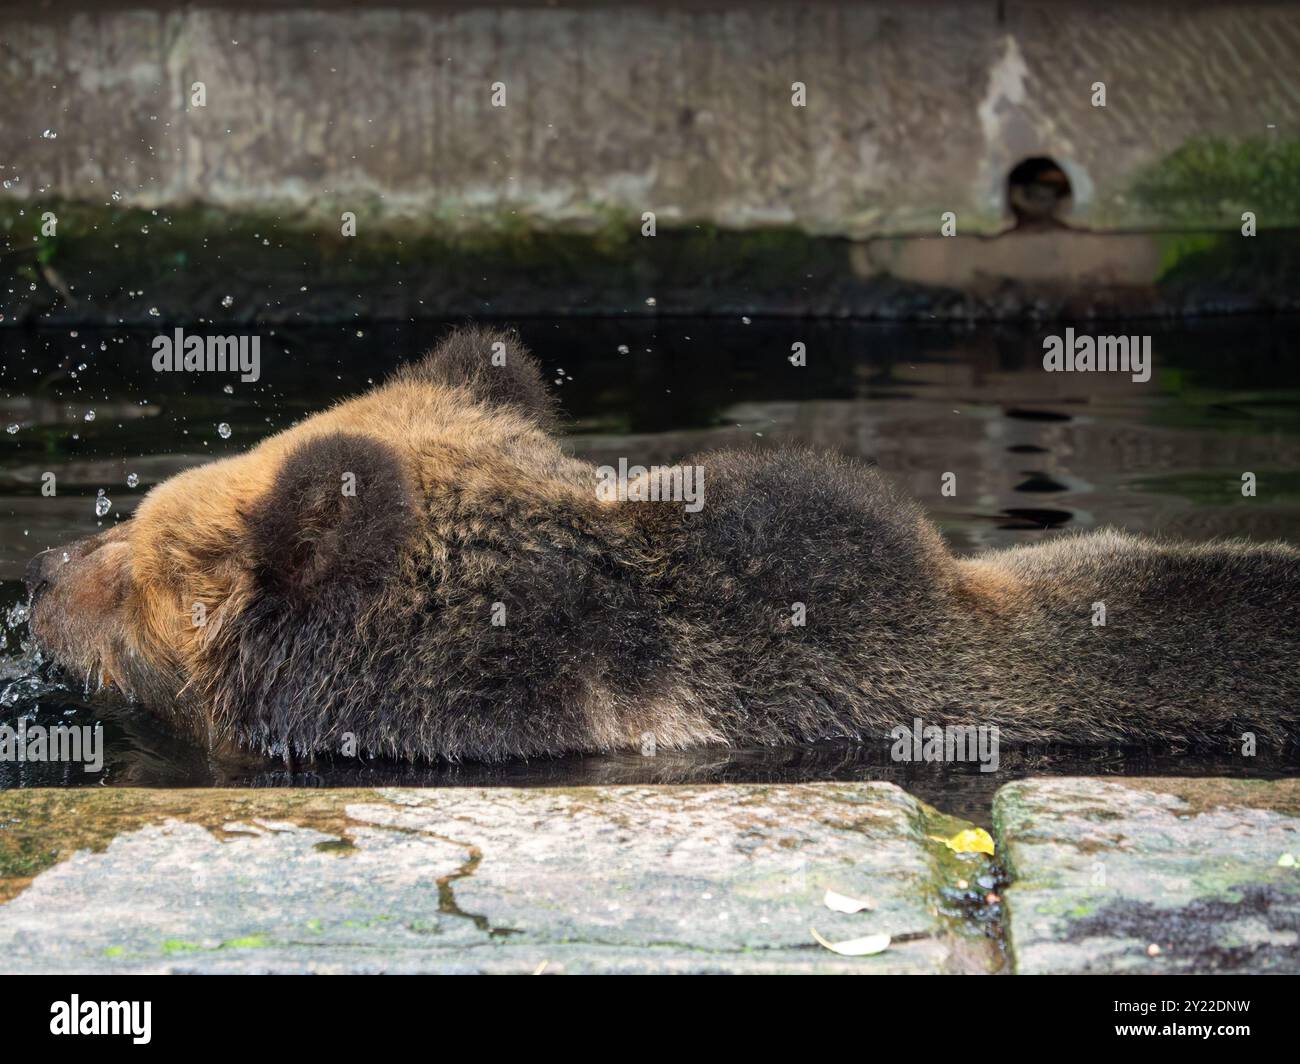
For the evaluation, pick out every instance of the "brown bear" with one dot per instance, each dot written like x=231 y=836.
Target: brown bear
x=422 y=572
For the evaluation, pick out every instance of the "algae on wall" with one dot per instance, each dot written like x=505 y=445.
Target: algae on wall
x=1213 y=179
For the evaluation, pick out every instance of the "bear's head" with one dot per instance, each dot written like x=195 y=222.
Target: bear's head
x=305 y=534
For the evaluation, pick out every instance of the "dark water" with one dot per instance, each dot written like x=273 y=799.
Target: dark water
x=1034 y=453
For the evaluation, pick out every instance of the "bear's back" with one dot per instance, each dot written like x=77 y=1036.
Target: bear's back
x=817 y=589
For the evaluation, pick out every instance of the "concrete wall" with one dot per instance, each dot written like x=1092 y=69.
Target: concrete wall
x=913 y=108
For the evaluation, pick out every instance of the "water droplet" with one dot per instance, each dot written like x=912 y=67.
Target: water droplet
x=622 y=349
x=229 y=389
x=651 y=301
x=103 y=504
x=132 y=479
x=227 y=301
x=90 y=415
x=49 y=134
x=12 y=430
x=153 y=312
x=223 y=430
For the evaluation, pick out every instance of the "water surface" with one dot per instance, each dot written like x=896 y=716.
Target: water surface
x=1034 y=454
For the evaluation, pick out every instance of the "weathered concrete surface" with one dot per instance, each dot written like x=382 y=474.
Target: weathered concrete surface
x=1151 y=876
x=123 y=200
x=622 y=879
x=680 y=108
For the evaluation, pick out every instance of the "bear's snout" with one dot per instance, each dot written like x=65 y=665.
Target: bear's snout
x=77 y=593
x=45 y=568
x=40 y=571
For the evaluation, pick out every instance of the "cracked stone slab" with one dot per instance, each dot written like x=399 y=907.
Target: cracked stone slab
x=606 y=879
x=1151 y=875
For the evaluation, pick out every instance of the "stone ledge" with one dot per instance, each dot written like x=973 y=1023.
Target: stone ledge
x=649 y=879
x=1152 y=875
x=630 y=879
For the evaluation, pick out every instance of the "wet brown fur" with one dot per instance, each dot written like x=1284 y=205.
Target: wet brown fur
x=329 y=615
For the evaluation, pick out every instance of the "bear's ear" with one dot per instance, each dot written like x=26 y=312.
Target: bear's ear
x=335 y=519
x=494 y=365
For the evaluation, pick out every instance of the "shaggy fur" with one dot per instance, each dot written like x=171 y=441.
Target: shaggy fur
x=328 y=613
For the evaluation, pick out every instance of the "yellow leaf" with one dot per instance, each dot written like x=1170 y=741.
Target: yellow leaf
x=854 y=947
x=972 y=840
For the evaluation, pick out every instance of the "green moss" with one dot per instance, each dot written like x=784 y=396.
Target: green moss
x=247 y=942
x=105 y=253
x=40 y=827
x=115 y=263
x=955 y=915
x=173 y=238
x=1067 y=905
x=1227 y=261
x=1210 y=180
x=1176 y=249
